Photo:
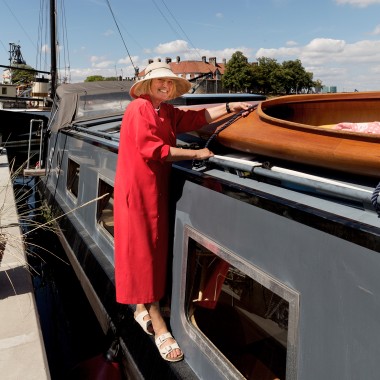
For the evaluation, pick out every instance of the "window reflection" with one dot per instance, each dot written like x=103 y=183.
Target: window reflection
x=104 y=211
x=73 y=177
x=246 y=321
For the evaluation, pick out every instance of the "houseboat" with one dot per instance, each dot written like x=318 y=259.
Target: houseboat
x=274 y=263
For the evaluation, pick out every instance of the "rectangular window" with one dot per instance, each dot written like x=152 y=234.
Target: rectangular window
x=104 y=210
x=247 y=315
x=73 y=170
x=3 y=90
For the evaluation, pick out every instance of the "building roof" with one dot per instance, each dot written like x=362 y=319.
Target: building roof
x=191 y=69
x=196 y=67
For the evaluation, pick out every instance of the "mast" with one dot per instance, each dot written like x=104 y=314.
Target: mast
x=53 y=45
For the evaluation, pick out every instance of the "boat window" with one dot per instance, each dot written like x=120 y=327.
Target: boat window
x=246 y=315
x=59 y=162
x=101 y=104
x=72 y=182
x=104 y=211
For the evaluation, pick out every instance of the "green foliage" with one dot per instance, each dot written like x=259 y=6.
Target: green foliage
x=238 y=73
x=96 y=78
x=267 y=76
x=22 y=76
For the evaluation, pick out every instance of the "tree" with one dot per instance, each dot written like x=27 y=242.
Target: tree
x=22 y=76
x=238 y=74
x=318 y=85
x=265 y=76
x=271 y=77
x=94 y=78
x=297 y=79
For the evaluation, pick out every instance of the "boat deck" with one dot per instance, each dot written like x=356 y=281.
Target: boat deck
x=347 y=194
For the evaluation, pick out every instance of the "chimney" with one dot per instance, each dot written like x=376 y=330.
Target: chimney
x=204 y=59
x=178 y=58
x=224 y=61
x=213 y=61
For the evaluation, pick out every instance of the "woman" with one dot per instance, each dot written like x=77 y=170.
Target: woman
x=147 y=148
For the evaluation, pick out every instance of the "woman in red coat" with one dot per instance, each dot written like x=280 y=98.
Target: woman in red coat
x=147 y=148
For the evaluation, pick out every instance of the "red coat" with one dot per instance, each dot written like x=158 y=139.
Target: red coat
x=141 y=197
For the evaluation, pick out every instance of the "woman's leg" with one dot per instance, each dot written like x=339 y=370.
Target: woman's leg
x=159 y=327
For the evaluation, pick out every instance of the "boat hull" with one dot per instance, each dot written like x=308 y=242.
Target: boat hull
x=294 y=128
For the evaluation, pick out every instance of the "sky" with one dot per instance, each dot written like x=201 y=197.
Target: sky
x=337 y=40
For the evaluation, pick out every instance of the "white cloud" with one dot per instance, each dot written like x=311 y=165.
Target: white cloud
x=325 y=46
x=100 y=62
x=127 y=61
x=358 y=3
x=279 y=53
x=172 y=47
x=376 y=31
x=108 y=33
x=95 y=58
x=103 y=64
x=181 y=48
x=219 y=15
x=335 y=62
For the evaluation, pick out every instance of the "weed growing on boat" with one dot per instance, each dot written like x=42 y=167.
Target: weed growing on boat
x=17 y=226
x=15 y=221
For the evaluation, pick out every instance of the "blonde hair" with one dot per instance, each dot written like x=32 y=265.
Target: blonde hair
x=144 y=88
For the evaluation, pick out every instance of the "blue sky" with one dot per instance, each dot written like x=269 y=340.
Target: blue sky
x=337 y=40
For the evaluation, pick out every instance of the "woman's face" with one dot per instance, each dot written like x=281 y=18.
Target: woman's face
x=161 y=89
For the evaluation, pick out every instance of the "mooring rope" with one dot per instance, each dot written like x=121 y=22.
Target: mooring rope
x=238 y=115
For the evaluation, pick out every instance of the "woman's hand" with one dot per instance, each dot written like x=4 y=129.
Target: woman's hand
x=202 y=154
x=238 y=106
x=216 y=112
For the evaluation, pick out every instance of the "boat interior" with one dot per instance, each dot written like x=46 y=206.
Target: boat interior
x=322 y=110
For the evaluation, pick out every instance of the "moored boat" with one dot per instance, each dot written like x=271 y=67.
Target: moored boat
x=270 y=267
x=301 y=128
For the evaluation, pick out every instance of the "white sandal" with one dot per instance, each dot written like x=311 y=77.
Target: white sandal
x=145 y=324
x=165 y=351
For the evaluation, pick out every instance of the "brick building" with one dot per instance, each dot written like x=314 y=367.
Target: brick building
x=209 y=73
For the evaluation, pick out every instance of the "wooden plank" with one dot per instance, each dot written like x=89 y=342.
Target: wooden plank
x=34 y=172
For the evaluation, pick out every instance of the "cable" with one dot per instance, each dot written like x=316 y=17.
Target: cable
x=121 y=36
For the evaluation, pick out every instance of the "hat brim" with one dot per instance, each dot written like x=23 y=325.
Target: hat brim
x=182 y=86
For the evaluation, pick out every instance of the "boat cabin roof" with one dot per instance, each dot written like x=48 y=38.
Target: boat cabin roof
x=89 y=100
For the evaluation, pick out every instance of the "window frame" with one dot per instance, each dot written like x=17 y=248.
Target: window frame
x=258 y=275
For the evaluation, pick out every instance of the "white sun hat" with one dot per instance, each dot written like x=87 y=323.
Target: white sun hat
x=160 y=70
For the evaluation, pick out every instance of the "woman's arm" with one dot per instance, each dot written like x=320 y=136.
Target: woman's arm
x=214 y=113
x=179 y=154
x=211 y=114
